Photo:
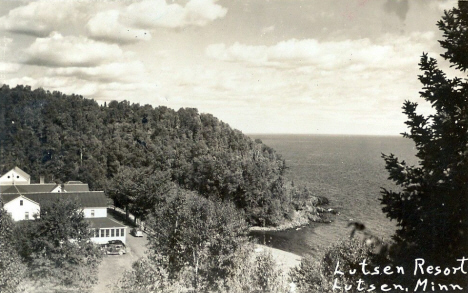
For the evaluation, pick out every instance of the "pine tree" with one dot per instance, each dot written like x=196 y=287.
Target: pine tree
x=431 y=207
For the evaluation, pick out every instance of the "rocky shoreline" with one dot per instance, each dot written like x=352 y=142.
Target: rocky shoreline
x=300 y=219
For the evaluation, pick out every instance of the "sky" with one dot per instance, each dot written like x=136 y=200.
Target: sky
x=271 y=66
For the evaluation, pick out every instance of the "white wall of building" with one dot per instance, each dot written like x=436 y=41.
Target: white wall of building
x=100 y=212
x=20 y=206
x=105 y=236
x=11 y=177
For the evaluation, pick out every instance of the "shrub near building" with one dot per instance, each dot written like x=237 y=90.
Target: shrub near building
x=57 y=247
x=12 y=268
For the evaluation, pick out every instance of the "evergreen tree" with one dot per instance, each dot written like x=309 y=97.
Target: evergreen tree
x=431 y=207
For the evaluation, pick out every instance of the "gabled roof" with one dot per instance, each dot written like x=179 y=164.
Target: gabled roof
x=21 y=172
x=92 y=199
x=29 y=188
x=99 y=223
x=6 y=198
x=75 y=187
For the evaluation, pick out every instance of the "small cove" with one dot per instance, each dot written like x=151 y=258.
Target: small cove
x=349 y=171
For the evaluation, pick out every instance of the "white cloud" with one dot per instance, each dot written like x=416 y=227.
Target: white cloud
x=123 y=24
x=389 y=51
x=65 y=85
x=119 y=72
x=151 y=14
x=445 y=4
x=133 y=23
x=89 y=89
x=58 y=51
x=8 y=67
x=40 y=18
x=106 y=26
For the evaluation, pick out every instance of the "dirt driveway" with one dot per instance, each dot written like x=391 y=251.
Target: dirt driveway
x=113 y=266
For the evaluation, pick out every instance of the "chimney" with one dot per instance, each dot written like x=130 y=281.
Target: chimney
x=41 y=179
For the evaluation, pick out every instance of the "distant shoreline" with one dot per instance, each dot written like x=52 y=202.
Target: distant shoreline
x=253 y=135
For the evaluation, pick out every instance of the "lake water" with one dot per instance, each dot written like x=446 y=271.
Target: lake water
x=349 y=171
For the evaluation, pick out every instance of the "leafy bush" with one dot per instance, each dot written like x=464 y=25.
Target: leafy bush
x=147 y=275
x=57 y=247
x=12 y=269
x=318 y=276
x=255 y=273
x=196 y=236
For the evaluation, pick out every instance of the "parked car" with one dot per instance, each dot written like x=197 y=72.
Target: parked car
x=114 y=247
x=137 y=232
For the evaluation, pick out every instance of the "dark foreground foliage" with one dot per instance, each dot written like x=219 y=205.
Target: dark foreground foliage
x=432 y=207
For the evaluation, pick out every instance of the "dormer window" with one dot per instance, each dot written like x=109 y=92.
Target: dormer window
x=21 y=202
x=8 y=176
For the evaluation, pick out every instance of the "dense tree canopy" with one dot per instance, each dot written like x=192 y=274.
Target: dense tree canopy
x=73 y=138
x=432 y=206
x=197 y=233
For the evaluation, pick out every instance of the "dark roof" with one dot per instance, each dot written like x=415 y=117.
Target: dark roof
x=21 y=172
x=29 y=188
x=6 y=198
x=8 y=189
x=99 y=223
x=75 y=187
x=92 y=199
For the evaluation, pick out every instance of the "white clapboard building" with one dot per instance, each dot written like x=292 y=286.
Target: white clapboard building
x=23 y=199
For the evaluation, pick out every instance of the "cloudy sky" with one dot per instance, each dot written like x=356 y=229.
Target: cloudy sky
x=277 y=66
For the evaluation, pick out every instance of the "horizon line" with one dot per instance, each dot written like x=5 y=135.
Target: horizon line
x=324 y=134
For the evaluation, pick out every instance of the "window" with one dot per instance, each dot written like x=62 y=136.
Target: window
x=26 y=215
x=8 y=177
x=21 y=202
x=107 y=232
x=122 y=232
x=117 y=232
x=92 y=213
x=96 y=233
x=102 y=233
x=17 y=177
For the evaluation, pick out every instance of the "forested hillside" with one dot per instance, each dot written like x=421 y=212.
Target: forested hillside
x=68 y=137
